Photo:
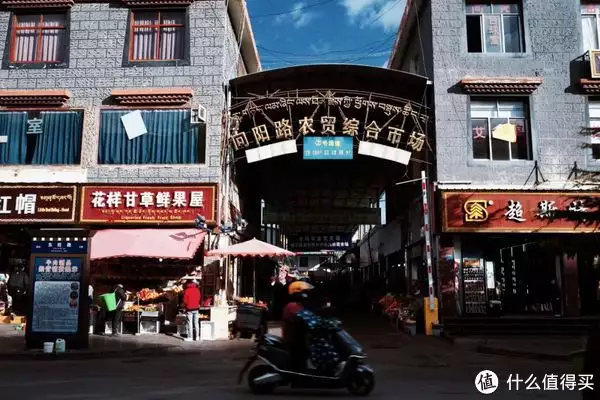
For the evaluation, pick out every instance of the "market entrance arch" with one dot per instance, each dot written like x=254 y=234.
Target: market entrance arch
x=314 y=147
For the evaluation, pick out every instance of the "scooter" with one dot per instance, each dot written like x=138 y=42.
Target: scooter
x=273 y=368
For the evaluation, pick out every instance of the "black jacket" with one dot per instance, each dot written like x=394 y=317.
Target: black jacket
x=120 y=296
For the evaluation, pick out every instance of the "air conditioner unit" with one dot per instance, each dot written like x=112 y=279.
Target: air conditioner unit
x=198 y=115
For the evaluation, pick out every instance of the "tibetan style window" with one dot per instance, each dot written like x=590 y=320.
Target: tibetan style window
x=38 y=39
x=590 y=26
x=493 y=27
x=594 y=122
x=40 y=137
x=158 y=35
x=170 y=138
x=500 y=130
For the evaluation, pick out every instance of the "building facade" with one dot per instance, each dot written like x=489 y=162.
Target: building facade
x=513 y=92
x=113 y=113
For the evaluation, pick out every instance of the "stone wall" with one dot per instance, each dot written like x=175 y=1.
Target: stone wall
x=97 y=40
x=552 y=42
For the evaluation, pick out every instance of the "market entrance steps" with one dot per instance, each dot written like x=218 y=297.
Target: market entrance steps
x=518 y=325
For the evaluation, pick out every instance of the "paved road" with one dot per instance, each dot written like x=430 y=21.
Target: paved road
x=399 y=375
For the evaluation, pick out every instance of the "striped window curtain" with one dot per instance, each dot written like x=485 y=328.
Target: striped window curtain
x=13 y=126
x=60 y=141
x=171 y=38
x=37 y=44
x=158 y=36
x=144 y=39
x=171 y=139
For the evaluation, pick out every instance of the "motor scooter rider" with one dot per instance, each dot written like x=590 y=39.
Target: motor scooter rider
x=293 y=327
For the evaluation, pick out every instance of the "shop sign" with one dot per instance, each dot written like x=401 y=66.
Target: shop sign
x=334 y=241
x=337 y=216
x=286 y=115
x=148 y=204
x=59 y=245
x=524 y=212
x=22 y=204
x=335 y=148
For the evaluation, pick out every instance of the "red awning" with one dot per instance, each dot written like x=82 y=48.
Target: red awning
x=252 y=248
x=149 y=243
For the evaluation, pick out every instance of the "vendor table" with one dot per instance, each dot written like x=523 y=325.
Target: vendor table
x=213 y=322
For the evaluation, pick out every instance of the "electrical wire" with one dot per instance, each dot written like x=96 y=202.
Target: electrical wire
x=293 y=10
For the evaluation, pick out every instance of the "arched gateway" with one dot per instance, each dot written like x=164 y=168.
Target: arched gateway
x=319 y=144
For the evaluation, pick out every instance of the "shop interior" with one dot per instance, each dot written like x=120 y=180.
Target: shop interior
x=154 y=289
x=15 y=250
x=524 y=275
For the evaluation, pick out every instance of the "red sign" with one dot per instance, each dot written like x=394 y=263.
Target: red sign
x=529 y=212
x=147 y=204
x=28 y=204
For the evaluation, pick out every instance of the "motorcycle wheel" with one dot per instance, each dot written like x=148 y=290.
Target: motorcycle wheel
x=362 y=383
x=255 y=372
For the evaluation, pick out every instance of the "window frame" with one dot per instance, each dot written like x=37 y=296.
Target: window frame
x=203 y=139
x=128 y=48
x=593 y=101
x=8 y=57
x=36 y=110
x=528 y=125
x=519 y=15
x=596 y=15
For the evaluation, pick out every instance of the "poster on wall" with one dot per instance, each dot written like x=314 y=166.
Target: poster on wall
x=56 y=294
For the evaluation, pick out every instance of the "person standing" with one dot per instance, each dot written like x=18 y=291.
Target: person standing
x=191 y=302
x=117 y=315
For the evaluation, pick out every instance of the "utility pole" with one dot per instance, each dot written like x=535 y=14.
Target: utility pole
x=427 y=233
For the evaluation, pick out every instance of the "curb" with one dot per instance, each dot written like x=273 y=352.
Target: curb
x=120 y=354
x=522 y=354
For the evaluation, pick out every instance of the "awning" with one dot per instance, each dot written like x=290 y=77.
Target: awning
x=149 y=243
x=252 y=248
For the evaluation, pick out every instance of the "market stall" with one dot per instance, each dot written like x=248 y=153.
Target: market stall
x=252 y=248
x=149 y=264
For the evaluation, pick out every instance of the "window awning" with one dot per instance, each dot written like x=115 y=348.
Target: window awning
x=179 y=244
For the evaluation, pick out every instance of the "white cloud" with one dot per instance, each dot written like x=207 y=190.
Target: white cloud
x=320 y=47
x=298 y=16
x=384 y=14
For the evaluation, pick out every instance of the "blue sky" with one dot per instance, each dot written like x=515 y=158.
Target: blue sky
x=291 y=32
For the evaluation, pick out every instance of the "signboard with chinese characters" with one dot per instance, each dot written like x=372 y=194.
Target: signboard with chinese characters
x=332 y=241
x=334 y=148
x=23 y=204
x=148 y=204
x=328 y=113
x=58 y=304
x=542 y=212
x=56 y=294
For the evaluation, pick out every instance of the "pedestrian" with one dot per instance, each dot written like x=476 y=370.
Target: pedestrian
x=117 y=314
x=191 y=302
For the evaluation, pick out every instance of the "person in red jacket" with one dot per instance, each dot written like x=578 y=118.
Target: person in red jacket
x=191 y=303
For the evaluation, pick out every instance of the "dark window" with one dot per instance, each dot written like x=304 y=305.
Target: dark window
x=494 y=28
x=303 y=262
x=40 y=138
x=157 y=36
x=594 y=122
x=38 y=38
x=500 y=130
x=170 y=139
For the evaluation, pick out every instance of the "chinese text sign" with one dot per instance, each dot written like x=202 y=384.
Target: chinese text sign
x=519 y=212
x=332 y=148
x=147 y=204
